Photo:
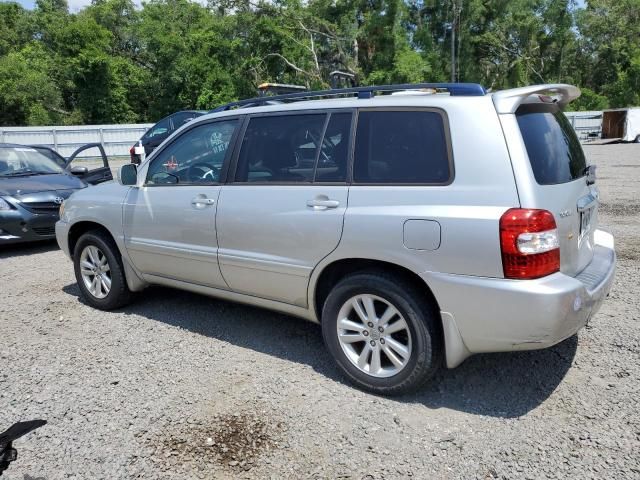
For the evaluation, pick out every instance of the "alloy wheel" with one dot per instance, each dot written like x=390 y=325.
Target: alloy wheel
x=95 y=271
x=374 y=335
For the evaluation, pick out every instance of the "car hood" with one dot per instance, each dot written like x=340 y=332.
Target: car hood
x=12 y=186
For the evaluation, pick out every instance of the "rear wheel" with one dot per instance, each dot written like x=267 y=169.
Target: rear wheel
x=382 y=332
x=99 y=272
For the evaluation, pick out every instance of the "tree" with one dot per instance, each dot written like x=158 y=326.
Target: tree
x=28 y=94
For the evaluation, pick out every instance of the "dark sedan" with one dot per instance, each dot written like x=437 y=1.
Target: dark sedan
x=32 y=188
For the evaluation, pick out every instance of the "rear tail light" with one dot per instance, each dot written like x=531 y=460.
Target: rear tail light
x=529 y=242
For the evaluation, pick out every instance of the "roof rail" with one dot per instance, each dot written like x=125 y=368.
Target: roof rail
x=454 y=89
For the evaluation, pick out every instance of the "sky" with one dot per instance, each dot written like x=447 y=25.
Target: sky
x=75 y=5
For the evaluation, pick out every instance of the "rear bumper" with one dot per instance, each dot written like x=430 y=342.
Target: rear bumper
x=496 y=315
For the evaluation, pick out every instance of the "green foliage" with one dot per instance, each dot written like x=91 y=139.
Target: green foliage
x=589 y=101
x=113 y=62
x=28 y=94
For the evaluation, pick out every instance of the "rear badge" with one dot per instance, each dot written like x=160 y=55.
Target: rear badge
x=570 y=236
x=564 y=213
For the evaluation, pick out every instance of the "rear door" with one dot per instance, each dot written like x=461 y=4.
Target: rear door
x=283 y=210
x=559 y=181
x=90 y=163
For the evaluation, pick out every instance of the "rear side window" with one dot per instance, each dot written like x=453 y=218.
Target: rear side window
x=401 y=147
x=553 y=147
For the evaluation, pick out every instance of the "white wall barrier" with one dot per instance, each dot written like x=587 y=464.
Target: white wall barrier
x=116 y=139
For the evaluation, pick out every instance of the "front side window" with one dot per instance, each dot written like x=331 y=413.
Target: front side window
x=401 y=147
x=280 y=148
x=196 y=157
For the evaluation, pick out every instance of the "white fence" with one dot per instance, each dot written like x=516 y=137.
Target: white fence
x=116 y=139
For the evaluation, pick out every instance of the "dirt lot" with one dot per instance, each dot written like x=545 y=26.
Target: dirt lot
x=182 y=386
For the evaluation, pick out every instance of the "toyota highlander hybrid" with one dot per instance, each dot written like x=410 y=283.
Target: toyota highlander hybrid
x=419 y=224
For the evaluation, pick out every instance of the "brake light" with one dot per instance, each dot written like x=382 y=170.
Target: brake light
x=529 y=242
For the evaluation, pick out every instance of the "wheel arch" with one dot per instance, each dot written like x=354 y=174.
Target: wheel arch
x=323 y=278
x=134 y=281
x=331 y=273
x=80 y=228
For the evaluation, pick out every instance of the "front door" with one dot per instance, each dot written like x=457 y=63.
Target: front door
x=88 y=171
x=170 y=221
x=283 y=211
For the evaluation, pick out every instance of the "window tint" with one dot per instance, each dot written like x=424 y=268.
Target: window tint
x=280 y=148
x=52 y=156
x=194 y=157
x=159 y=128
x=401 y=147
x=553 y=148
x=332 y=162
x=179 y=119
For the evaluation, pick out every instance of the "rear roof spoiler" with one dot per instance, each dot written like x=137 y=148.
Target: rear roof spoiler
x=508 y=101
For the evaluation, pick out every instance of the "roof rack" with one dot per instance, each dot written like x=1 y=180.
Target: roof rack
x=454 y=89
x=279 y=89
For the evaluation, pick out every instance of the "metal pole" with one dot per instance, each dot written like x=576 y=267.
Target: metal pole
x=55 y=140
x=453 y=48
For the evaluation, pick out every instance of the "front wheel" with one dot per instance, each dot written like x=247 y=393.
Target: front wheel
x=99 y=272
x=382 y=332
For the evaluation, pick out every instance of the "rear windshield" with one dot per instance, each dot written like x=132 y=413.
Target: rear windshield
x=553 y=148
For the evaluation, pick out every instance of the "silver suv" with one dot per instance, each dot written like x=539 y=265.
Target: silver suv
x=419 y=224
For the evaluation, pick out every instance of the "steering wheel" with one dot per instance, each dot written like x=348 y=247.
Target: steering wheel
x=203 y=171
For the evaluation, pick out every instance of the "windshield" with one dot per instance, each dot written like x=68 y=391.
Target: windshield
x=25 y=161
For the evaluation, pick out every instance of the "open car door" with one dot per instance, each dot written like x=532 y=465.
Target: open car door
x=94 y=170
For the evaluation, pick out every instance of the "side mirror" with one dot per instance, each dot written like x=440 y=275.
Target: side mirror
x=128 y=174
x=79 y=171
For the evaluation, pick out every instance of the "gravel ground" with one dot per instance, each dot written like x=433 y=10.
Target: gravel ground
x=182 y=386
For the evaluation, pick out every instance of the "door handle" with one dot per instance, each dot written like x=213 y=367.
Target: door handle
x=322 y=203
x=202 y=201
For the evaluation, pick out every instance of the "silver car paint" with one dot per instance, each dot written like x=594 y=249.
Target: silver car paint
x=270 y=239
x=167 y=235
x=480 y=310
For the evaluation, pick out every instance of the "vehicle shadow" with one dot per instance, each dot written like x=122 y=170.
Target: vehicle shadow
x=29 y=248
x=500 y=385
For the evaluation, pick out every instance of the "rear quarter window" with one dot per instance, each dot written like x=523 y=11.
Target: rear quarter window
x=553 y=148
x=401 y=147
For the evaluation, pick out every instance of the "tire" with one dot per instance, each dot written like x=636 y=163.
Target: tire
x=85 y=250
x=421 y=339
